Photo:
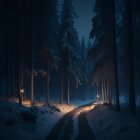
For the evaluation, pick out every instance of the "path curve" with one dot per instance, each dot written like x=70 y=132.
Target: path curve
x=64 y=127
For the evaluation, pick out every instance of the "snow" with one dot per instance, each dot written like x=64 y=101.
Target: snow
x=75 y=118
x=75 y=127
x=110 y=125
x=20 y=122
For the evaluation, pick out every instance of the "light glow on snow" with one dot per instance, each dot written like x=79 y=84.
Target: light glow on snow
x=14 y=122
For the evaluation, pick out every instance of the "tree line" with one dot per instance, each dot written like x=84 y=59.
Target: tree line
x=42 y=55
x=115 y=53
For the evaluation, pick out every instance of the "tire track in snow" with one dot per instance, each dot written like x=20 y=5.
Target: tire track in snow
x=72 y=126
x=64 y=128
x=85 y=132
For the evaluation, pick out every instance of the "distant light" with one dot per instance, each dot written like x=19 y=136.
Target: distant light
x=98 y=96
x=22 y=90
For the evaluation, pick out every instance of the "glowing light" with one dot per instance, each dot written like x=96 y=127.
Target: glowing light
x=98 y=96
x=87 y=108
x=22 y=90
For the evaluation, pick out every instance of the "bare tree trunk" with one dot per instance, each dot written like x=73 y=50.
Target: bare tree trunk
x=7 y=71
x=105 y=90
x=97 y=93
x=103 y=95
x=109 y=92
x=48 y=84
x=21 y=67
x=32 y=86
x=62 y=88
x=32 y=76
x=20 y=74
x=132 y=103
x=44 y=89
x=9 y=76
x=115 y=57
x=19 y=80
x=13 y=74
x=19 y=52
x=68 y=88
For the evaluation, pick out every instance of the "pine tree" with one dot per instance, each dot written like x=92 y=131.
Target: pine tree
x=69 y=43
x=103 y=50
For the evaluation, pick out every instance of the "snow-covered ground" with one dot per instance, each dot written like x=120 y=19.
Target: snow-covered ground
x=20 y=122
x=26 y=123
x=111 y=125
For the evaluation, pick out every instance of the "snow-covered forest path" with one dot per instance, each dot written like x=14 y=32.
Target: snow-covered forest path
x=73 y=126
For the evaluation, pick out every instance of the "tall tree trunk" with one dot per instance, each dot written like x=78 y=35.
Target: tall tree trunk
x=103 y=95
x=32 y=72
x=19 y=51
x=21 y=92
x=97 y=93
x=48 y=84
x=44 y=91
x=110 y=92
x=13 y=74
x=32 y=86
x=105 y=90
x=62 y=87
x=132 y=103
x=115 y=57
x=9 y=74
x=22 y=67
x=68 y=89
x=32 y=76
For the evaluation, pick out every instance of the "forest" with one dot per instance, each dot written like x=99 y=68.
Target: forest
x=68 y=73
x=42 y=53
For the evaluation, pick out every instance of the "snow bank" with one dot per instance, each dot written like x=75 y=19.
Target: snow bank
x=111 y=125
x=20 y=122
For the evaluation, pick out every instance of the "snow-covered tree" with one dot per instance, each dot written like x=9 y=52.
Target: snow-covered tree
x=69 y=47
x=103 y=52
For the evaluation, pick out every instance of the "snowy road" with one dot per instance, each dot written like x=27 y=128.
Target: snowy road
x=73 y=126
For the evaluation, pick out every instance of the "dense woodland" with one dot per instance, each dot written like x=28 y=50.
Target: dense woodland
x=42 y=53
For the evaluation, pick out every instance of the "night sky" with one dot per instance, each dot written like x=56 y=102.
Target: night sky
x=84 y=11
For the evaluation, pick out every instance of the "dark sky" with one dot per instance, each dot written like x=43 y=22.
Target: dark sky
x=84 y=11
